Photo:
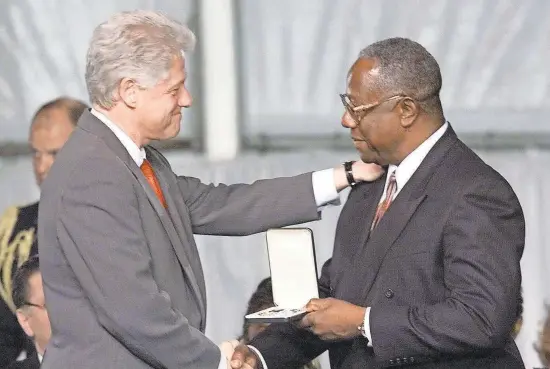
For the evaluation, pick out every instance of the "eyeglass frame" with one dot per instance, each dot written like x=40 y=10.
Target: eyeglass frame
x=26 y=303
x=352 y=110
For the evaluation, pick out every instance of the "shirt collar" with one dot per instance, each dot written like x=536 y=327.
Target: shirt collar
x=410 y=164
x=138 y=154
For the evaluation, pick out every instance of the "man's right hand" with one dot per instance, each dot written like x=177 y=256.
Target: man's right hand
x=245 y=358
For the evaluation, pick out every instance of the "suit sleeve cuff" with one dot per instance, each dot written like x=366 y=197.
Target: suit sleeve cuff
x=324 y=188
x=367 y=327
x=264 y=365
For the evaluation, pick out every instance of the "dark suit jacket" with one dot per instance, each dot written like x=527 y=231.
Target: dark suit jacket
x=441 y=271
x=31 y=362
x=17 y=244
x=122 y=276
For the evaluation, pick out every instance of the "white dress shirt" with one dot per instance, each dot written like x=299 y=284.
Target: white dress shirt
x=137 y=153
x=324 y=188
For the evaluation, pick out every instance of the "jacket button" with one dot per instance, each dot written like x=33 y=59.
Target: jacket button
x=389 y=293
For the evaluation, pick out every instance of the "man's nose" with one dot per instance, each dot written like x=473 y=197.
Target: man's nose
x=185 y=99
x=348 y=121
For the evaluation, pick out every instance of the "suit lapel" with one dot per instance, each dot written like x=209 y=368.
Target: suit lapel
x=368 y=203
x=402 y=209
x=32 y=361
x=90 y=123
x=181 y=226
x=386 y=232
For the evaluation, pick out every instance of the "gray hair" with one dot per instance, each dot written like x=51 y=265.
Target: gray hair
x=406 y=67
x=139 y=45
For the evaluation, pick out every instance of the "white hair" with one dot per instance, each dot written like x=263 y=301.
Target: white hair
x=139 y=45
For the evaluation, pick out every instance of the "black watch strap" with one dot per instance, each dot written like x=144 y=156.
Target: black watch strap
x=349 y=173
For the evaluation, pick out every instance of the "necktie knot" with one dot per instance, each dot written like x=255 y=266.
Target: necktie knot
x=149 y=173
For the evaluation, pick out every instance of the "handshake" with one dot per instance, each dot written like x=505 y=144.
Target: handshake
x=239 y=356
x=329 y=319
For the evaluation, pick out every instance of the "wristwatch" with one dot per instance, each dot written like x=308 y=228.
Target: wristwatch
x=349 y=173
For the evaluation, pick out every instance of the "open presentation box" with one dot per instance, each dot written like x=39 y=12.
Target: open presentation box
x=293 y=268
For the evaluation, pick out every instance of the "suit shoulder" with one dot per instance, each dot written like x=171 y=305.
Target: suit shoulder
x=29 y=211
x=27 y=216
x=466 y=174
x=10 y=213
x=24 y=364
x=16 y=365
x=13 y=219
x=467 y=166
x=21 y=210
x=93 y=163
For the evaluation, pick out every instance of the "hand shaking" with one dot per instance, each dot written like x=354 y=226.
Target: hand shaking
x=244 y=358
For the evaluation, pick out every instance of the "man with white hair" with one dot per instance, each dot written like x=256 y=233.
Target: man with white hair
x=122 y=276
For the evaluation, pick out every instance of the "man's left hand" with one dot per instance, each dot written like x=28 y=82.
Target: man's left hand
x=366 y=172
x=333 y=319
x=362 y=172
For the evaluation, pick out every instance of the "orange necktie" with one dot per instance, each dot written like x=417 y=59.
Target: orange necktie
x=149 y=173
x=385 y=204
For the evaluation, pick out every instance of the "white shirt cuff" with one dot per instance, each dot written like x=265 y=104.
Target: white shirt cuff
x=223 y=361
x=259 y=355
x=367 y=327
x=324 y=188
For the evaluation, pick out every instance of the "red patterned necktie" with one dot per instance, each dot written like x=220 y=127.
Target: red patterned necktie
x=385 y=204
x=149 y=174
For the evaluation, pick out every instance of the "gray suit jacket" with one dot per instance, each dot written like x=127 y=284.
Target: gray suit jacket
x=122 y=276
x=441 y=271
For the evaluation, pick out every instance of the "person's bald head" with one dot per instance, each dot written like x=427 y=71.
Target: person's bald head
x=51 y=127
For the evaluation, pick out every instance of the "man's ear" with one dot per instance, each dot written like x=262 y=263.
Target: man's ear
x=408 y=110
x=127 y=92
x=23 y=320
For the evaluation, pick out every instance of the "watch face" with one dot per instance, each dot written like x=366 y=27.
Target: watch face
x=349 y=173
x=362 y=330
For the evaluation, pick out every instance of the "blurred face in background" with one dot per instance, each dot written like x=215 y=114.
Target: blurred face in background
x=544 y=347
x=33 y=316
x=49 y=132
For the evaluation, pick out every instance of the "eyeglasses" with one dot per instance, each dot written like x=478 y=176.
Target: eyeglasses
x=43 y=307
x=363 y=109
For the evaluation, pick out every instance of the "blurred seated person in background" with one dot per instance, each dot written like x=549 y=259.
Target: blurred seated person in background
x=519 y=320
x=50 y=128
x=544 y=344
x=262 y=299
x=28 y=297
